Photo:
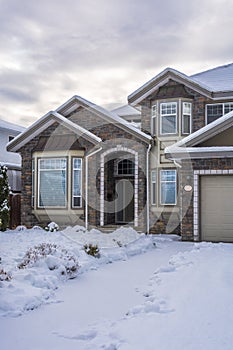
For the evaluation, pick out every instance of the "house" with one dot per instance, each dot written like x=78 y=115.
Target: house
x=130 y=114
x=155 y=170
x=190 y=119
x=83 y=165
x=8 y=132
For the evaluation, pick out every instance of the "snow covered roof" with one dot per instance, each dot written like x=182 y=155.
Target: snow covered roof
x=60 y=116
x=212 y=83
x=42 y=124
x=187 y=147
x=126 y=110
x=10 y=126
x=74 y=102
x=217 y=79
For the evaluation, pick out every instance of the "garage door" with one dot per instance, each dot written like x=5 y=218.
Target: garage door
x=217 y=208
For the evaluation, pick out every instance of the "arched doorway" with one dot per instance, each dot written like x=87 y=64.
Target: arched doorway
x=119 y=187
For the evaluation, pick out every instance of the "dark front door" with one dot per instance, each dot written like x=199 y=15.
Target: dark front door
x=125 y=201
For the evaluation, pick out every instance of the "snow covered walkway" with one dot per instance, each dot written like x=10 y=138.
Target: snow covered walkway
x=94 y=299
x=173 y=296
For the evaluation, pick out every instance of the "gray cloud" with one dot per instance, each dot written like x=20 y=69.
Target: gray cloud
x=102 y=49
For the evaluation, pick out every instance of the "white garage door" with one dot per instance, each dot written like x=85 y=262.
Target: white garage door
x=217 y=208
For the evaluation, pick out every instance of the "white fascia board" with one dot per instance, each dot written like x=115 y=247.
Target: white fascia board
x=178 y=75
x=76 y=128
x=42 y=124
x=102 y=112
x=198 y=152
x=21 y=139
x=207 y=131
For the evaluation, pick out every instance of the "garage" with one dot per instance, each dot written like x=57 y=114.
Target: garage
x=216 y=208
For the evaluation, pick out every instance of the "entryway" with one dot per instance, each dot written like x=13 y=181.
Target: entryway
x=119 y=187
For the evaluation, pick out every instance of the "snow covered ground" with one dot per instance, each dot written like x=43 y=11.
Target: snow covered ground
x=144 y=292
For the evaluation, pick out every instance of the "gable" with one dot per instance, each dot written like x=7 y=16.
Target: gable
x=173 y=90
x=224 y=138
x=161 y=80
x=49 y=119
x=101 y=127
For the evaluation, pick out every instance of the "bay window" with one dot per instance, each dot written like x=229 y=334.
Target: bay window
x=153 y=119
x=52 y=181
x=77 y=183
x=168 y=187
x=168 y=118
x=186 y=118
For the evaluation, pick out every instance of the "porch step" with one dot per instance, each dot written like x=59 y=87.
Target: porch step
x=111 y=228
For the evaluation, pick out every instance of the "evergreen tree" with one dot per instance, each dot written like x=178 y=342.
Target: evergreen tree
x=4 y=199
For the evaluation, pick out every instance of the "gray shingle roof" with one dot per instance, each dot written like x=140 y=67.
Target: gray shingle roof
x=217 y=79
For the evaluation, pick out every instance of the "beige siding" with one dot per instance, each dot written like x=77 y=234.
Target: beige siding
x=217 y=208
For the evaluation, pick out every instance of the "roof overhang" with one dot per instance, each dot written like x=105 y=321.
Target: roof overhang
x=110 y=117
x=179 y=153
x=189 y=146
x=171 y=74
x=161 y=79
x=42 y=124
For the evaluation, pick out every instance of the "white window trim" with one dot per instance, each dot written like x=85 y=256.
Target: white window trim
x=81 y=187
x=126 y=174
x=38 y=188
x=190 y=116
x=168 y=204
x=153 y=182
x=166 y=115
x=215 y=104
x=154 y=113
x=33 y=184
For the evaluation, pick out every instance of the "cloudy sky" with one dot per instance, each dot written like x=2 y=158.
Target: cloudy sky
x=102 y=50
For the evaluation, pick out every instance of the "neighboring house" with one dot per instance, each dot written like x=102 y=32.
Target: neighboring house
x=130 y=114
x=84 y=164
x=8 y=132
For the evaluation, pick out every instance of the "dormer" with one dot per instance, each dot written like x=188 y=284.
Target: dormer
x=175 y=105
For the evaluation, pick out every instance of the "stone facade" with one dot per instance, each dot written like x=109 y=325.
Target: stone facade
x=114 y=137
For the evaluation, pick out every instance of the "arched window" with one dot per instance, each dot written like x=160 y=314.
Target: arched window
x=125 y=167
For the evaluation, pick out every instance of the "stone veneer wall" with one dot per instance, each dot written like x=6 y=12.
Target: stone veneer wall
x=27 y=217
x=187 y=198
x=175 y=90
x=112 y=135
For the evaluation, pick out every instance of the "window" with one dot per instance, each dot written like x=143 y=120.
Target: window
x=217 y=110
x=153 y=187
x=77 y=183
x=125 y=167
x=186 y=118
x=33 y=184
x=52 y=181
x=153 y=119
x=168 y=118
x=168 y=187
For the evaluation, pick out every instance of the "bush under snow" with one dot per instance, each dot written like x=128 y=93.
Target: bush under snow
x=54 y=257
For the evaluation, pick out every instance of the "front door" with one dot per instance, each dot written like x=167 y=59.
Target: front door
x=124 y=201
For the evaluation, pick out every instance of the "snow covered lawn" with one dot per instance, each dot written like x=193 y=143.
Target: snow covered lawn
x=144 y=292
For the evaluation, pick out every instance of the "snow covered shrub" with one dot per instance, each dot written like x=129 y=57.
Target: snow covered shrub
x=52 y=227
x=92 y=250
x=4 y=276
x=54 y=257
x=4 y=195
